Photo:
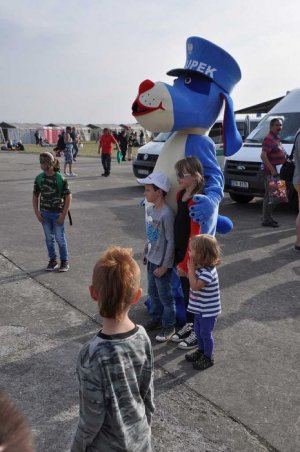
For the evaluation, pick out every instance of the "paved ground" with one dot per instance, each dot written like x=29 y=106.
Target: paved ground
x=249 y=401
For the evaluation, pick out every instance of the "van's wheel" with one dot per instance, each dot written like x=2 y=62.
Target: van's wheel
x=241 y=199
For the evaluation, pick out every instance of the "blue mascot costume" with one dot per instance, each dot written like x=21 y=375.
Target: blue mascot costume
x=189 y=108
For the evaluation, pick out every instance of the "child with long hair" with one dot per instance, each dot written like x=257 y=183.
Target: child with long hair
x=115 y=368
x=190 y=177
x=51 y=201
x=68 y=152
x=204 y=300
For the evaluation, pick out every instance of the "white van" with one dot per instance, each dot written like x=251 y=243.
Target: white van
x=145 y=161
x=243 y=170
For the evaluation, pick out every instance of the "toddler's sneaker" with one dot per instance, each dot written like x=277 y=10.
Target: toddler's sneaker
x=64 y=266
x=165 y=334
x=53 y=265
x=182 y=333
x=189 y=342
x=204 y=363
x=153 y=325
x=194 y=356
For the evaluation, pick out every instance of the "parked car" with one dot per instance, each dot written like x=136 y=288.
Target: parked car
x=145 y=160
x=244 y=170
x=147 y=155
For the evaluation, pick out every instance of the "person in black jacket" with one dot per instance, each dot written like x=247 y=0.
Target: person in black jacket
x=123 y=142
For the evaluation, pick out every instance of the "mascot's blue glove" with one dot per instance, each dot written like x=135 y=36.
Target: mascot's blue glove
x=204 y=209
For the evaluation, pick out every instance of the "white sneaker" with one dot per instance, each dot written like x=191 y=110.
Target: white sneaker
x=67 y=174
x=73 y=174
x=182 y=333
x=189 y=342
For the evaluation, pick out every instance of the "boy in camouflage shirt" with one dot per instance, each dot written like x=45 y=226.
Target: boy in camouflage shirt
x=51 y=202
x=115 y=368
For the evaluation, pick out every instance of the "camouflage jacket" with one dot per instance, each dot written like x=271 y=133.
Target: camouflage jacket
x=116 y=393
x=51 y=200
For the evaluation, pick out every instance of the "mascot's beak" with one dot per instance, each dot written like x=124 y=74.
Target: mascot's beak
x=230 y=132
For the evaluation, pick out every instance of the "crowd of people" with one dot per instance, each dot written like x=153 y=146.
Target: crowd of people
x=115 y=368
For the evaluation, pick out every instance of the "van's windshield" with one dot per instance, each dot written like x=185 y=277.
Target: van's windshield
x=162 y=137
x=291 y=124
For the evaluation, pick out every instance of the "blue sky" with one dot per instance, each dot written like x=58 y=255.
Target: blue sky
x=83 y=60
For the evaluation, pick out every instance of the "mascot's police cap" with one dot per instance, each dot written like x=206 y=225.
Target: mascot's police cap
x=207 y=59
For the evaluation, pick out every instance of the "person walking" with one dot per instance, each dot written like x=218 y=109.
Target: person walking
x=68 y=152
x=123 y=143
x=296 y=182
x=106 y=142
x=273 y=157
x=75 y=141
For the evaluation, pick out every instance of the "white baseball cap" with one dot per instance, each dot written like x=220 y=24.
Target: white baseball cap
x=157 y=178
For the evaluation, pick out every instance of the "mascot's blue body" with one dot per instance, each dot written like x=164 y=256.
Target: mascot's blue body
x=189 y=108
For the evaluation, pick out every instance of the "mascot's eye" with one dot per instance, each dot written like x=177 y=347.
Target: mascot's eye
x=187 y=80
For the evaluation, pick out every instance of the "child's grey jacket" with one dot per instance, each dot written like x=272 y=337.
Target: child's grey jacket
x=116 y=393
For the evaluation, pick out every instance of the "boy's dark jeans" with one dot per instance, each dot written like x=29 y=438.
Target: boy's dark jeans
x=162 y=301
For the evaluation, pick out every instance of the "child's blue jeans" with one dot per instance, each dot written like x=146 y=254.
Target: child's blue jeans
x=203 y=329
x=54 y=232
x=162 y=301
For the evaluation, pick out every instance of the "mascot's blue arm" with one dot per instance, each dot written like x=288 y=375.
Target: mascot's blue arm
x=207 y=207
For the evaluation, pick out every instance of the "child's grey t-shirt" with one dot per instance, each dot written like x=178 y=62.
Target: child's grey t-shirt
x=116 y=393
x=159 y=248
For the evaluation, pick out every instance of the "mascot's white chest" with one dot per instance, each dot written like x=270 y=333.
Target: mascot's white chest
x=172 y=151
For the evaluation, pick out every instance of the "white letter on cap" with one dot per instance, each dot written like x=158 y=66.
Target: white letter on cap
x=194 y=64
x=209 y=71
x=201 y=67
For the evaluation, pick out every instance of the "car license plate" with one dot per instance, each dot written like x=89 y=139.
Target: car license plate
x=239 y=183
x=143 y=171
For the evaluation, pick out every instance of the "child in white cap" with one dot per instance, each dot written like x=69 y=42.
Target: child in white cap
x=159 y=255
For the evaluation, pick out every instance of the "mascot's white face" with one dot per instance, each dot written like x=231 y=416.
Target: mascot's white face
x=153 y=107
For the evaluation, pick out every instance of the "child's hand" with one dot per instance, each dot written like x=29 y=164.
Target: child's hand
x=39 y=217
x=181 y=273
x=160 y=271
x=191 y=265
x=60 y=219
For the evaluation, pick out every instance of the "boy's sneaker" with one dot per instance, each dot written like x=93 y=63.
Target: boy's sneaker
x=53 y=265
x=153 y=325
x=189 y=342
x=182 y=333
x=204 y=363
x=64 y=266
x=194 y=356
x=165 y=334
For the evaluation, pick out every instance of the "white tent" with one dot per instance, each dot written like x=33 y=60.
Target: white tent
x=20 y=131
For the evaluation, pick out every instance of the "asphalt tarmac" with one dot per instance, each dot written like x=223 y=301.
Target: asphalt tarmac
x=248 y=401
